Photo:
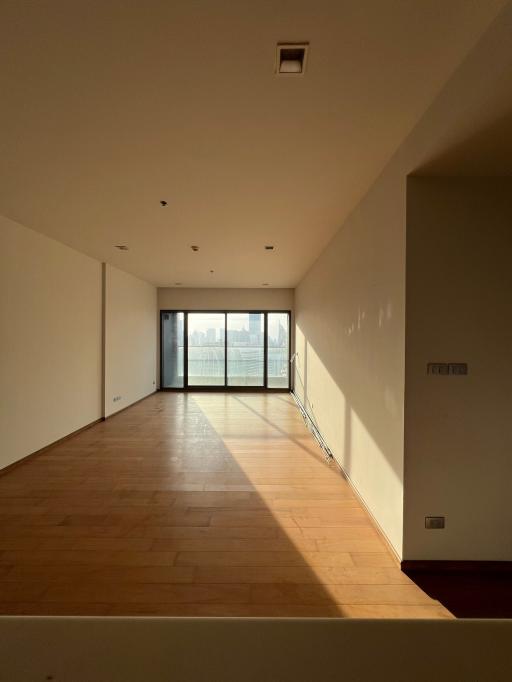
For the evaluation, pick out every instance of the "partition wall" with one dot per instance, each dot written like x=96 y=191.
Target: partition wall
x=225 y=350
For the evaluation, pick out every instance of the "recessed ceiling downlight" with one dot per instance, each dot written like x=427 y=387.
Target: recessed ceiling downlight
x=121 y=247
x=291 y=59
x=269 y=247
x=265 y=284
x=194 y=247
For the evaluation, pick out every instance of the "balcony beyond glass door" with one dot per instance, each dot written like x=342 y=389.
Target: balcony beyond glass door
x=228 y=350
x=278 y=352
x=245 y=343
x=206 y=349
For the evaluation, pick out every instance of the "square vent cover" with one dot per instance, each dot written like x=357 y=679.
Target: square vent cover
x=291 y=59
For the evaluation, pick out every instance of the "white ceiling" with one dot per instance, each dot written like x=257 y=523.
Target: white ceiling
x=110 y=106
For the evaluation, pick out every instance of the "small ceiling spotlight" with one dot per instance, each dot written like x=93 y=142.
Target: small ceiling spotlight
x=269 y=248
x=211 y=272
x=121 y=247
x=265 y=284
x=177 y=284
x=194 y=247
x=291 y=59
x=163 y=202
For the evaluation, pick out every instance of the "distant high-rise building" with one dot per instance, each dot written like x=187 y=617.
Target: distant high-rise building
x=281 y=335
x=254 y=323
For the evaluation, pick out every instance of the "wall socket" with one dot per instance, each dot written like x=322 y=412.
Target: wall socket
x=434 y=522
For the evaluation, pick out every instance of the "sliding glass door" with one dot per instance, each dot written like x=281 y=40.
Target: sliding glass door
x=246 y=349
x=173 y=344
x=278 y=350
x=206 y=349
x=232 y=350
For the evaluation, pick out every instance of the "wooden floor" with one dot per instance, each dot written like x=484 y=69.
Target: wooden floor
x=203 y=504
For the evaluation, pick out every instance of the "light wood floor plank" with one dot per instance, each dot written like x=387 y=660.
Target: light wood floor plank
x=195 y=505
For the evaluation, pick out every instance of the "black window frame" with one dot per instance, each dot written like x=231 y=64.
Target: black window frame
x=225 y=387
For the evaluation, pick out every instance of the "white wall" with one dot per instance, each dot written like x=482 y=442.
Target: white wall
x=350 y=347
x=51 y=348
x=288 y=650
x=177 y=298
x=350 y=307
x=458 y=432
x=130 y=339
x=50 y=341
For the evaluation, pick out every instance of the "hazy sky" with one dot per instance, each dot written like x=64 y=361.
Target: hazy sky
x=203 y=321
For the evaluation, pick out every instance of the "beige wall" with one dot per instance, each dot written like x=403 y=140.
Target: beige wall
x=51 y=349
x=130 y=339
x=458 y=433
x=225 y=299
x=350 y=306
x=350 y=346
x=50 y=341
x=117 y=648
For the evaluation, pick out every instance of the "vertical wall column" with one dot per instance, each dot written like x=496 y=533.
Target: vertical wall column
x=129 y=339
x=458 y=433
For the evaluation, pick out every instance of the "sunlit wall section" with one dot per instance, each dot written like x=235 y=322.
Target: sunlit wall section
x=350 y=339
x=298 y=364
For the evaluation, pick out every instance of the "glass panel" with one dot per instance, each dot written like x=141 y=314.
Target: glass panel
x=206 y=352
x=278 y=361
x=172 y=350
x=245 y=349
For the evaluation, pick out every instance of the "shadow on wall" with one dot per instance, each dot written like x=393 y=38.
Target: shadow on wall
x=350 y=327
x=487 y=153
x=301 y=390
x=365 y=398
x=349 y=371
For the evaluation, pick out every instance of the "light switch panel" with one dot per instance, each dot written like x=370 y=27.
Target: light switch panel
x=447 y=368
x=434 y=522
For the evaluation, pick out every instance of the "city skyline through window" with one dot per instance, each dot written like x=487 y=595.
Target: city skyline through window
x=246 y=344
x=225 y=349
x=206 y=349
